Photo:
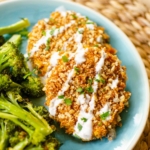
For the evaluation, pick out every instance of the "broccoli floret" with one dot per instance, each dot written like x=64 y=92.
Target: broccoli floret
x=28 y=119
x=6 y=129
x=13 y=63
x=23 y=23
x=7 y=84
x=11 y=60
x=49 y=144
x=32 y=86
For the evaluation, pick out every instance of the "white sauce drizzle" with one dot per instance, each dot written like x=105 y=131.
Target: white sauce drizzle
x=114 y=83
x=54 y=58
x=53 y=105
x=41 y=41
x=87 y=129
x=44 y=39
x=56 y=101
x=90 y=26
x=101 y=62
x=99 y=39
x=78 y=39
x=106 y=108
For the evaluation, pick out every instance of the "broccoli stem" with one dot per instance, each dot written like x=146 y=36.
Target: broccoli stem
x=40 y=130
x=16 y=121
x=29 y=106
x=23 y=23
x=3 y=136
x=21 y=145
x=15 y=39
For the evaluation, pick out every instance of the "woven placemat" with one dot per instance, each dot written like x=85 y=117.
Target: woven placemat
x=133 y=17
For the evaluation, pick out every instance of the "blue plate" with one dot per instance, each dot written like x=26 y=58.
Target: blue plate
x=133 y=118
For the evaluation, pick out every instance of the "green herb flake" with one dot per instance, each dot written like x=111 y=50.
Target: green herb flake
x=76 y=136
x=61 y=96
x=52 y=31
x=80 y=90
x=68 y=101
x=47 y=47
x=104 y=115
x=87 y=18
x=89 y=22
x=100 y=79
x=80 y=32
x=44 y=33
x=76 y=69
x=84 y=119
x=79 y=127
x=96 y=45
x=74 y=16
x=90 y=89
x=90 y=81
x=48 y=41
x=51 y=19
x=65 y=58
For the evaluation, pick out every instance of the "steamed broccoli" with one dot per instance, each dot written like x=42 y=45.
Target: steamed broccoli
x=13 y=63
x=32 y=129
x=23 y=23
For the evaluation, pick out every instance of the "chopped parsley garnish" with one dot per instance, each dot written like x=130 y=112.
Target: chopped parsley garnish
x=100 y=79
x=43 y=33
x=79 y=127
x=59 y=50
x=87 y=18
x=51 y=19
x=90 y=89
x=89 y=22
x=65 y=58
x=76 y=69
x=76 y=136
x=52 y=31
x=80 y=90
x=48 y=41
x=74 y=16
x=61 y=96
x=90 y=81
x=84 y=119
x=96 y=45
x=80 y=31
x=47 y=47
x=68 y=101
x=104 y=115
